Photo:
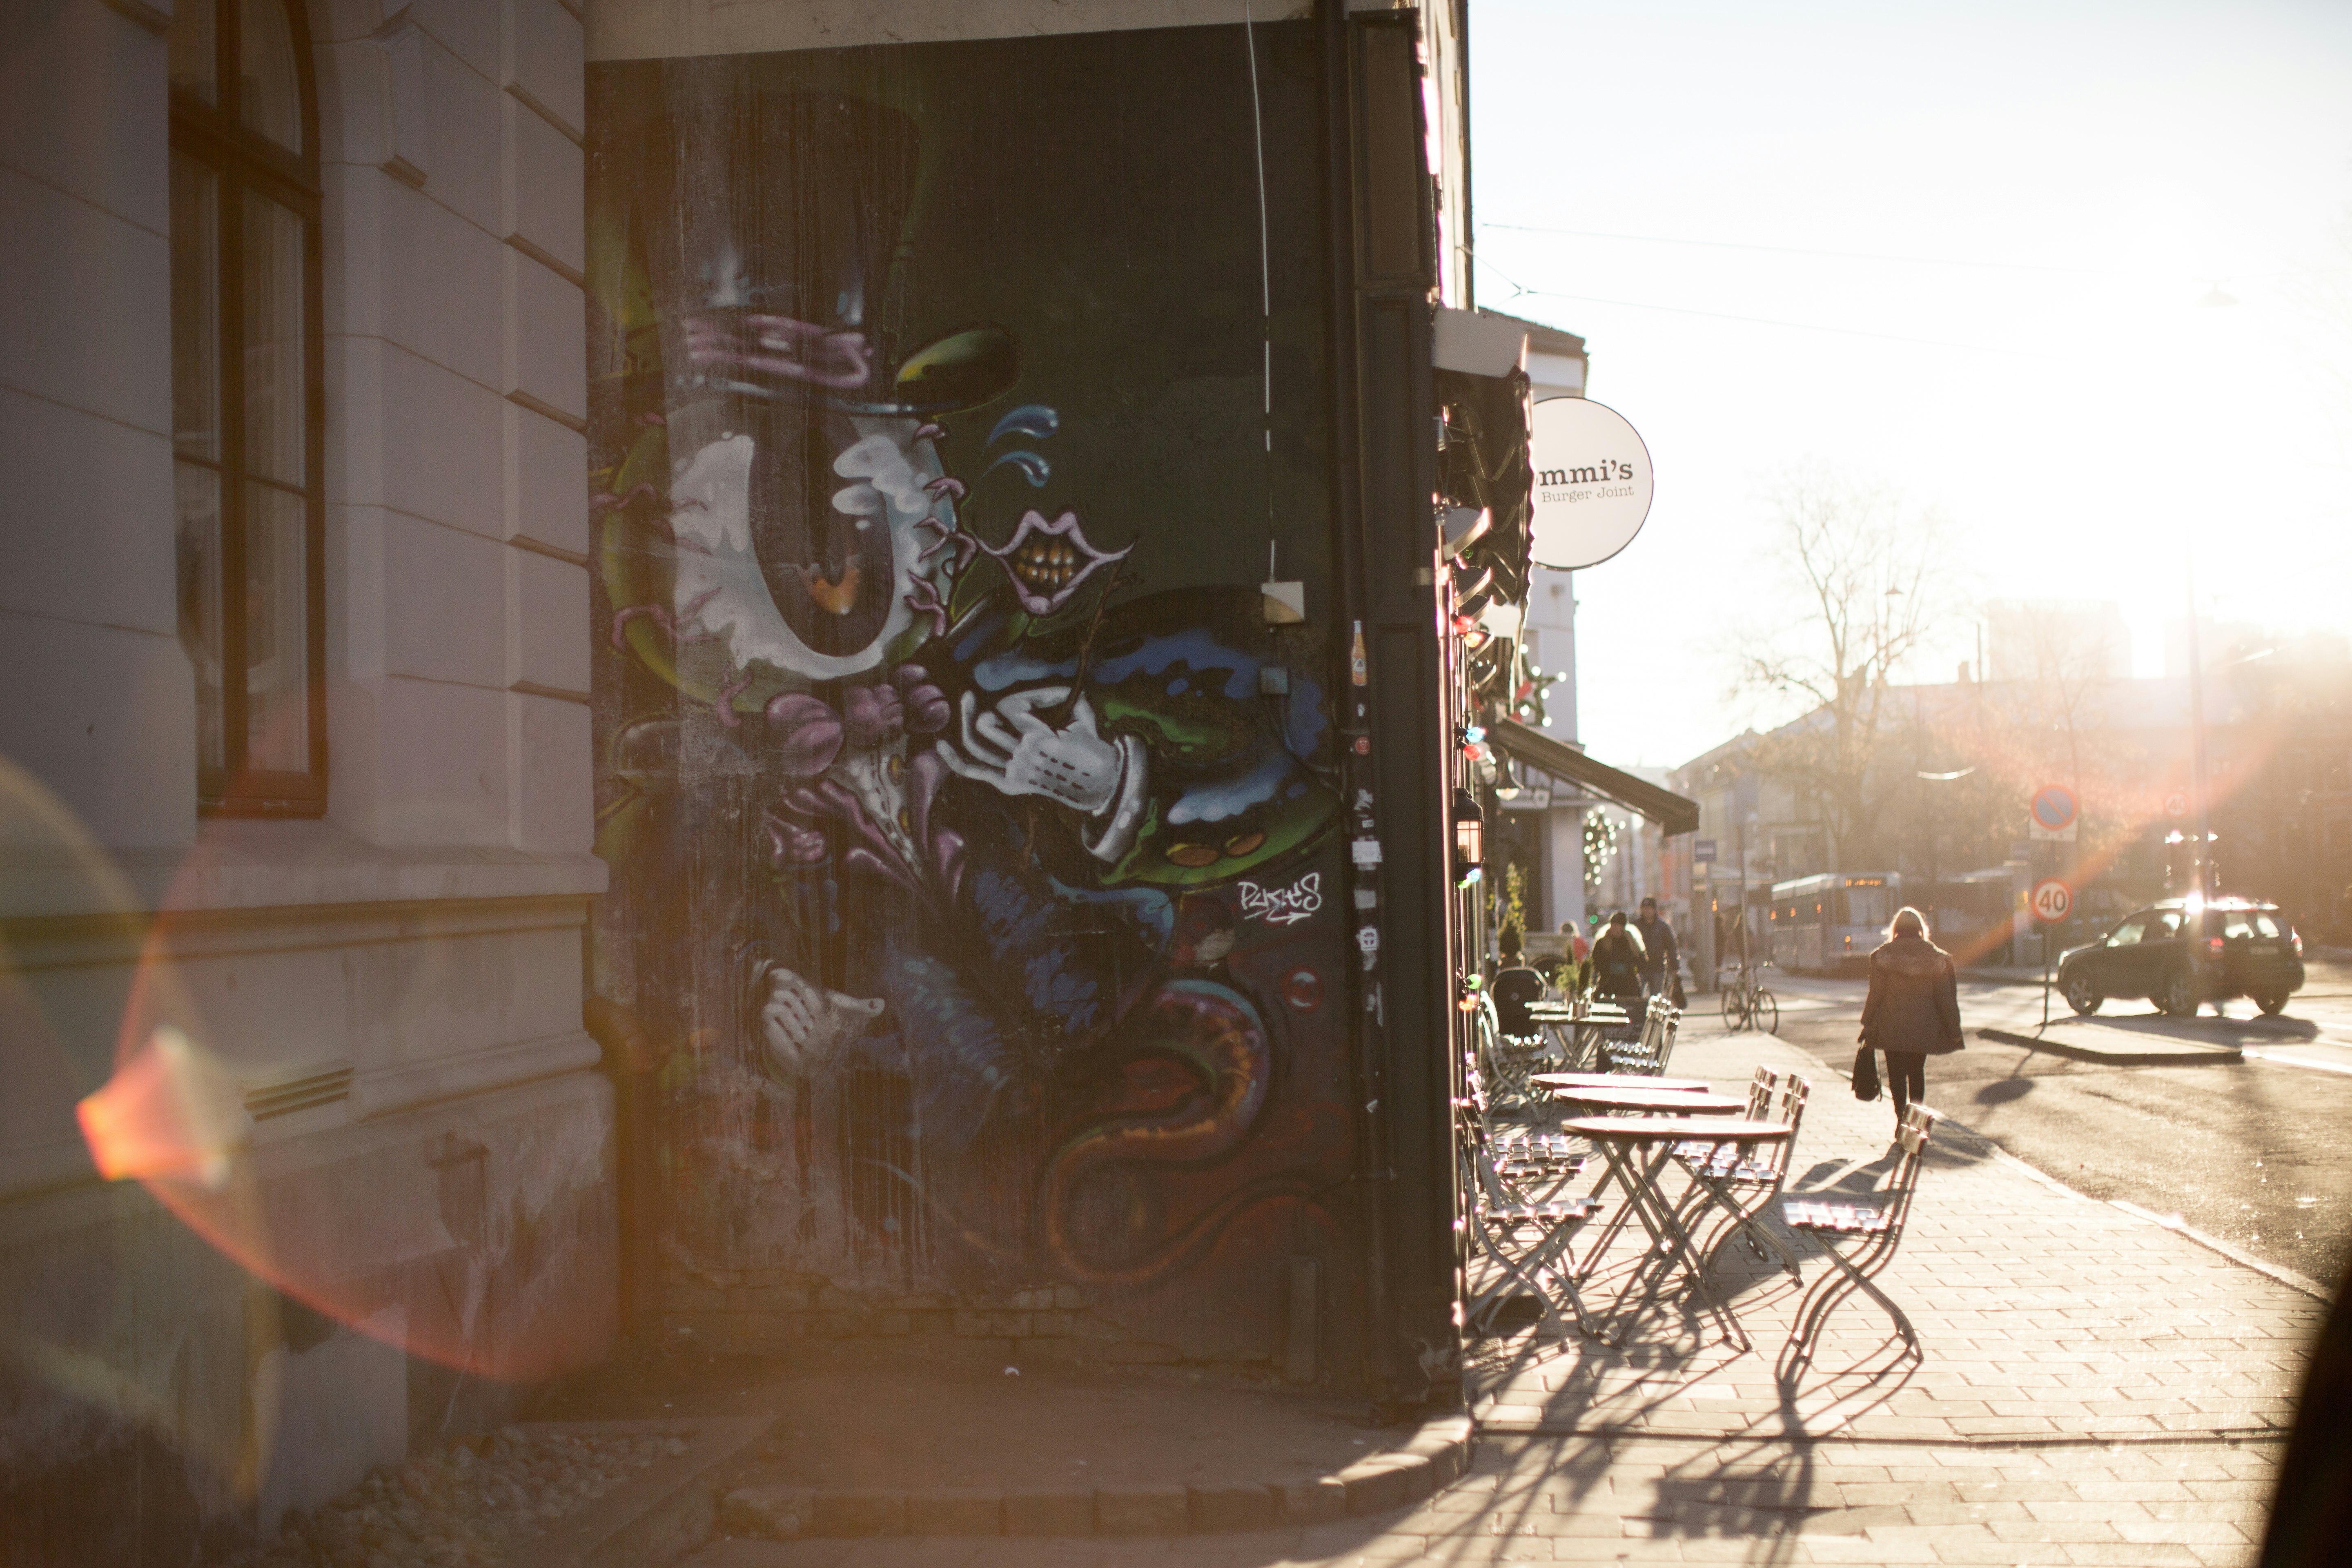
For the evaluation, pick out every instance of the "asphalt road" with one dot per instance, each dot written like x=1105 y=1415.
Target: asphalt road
x=2257 y=1152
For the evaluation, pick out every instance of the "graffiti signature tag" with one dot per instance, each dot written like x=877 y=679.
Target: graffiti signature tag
x=1281 y=906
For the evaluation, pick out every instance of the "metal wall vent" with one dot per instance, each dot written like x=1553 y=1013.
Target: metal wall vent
x=298 y=1089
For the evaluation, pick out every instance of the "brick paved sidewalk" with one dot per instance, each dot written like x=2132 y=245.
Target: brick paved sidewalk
x=2095 y=1389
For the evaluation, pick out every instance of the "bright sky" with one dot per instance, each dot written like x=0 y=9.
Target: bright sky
x=2027 y=201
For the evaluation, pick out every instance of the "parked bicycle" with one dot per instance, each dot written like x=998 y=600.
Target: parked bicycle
x=1748 y=1004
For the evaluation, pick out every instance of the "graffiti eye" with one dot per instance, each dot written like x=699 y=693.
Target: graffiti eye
x=1193 y=855
x=896 y=767
x=1243 y=843
x=906 y=820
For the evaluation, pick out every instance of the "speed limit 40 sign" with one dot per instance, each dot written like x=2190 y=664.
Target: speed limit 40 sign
x=2052 y=900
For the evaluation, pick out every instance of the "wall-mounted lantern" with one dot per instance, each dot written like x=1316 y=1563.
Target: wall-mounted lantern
x=1469 y=836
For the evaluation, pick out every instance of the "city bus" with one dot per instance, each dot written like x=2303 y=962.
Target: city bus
x=1831 y=922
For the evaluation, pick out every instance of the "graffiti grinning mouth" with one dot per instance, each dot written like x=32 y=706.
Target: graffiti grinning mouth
x=1045 y=562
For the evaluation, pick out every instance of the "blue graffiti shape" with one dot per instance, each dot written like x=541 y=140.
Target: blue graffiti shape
x=957 y=1057
x=1032 y=420
x=1216 y=802
x=1195 y=647
x=1020 y=929
x=1151 y=911
x=1031 y=466
x=1303 y=722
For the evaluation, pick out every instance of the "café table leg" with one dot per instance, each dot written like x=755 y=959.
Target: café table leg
x=1663 y=1230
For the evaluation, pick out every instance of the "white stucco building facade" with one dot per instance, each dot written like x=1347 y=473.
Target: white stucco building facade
x=381 y=978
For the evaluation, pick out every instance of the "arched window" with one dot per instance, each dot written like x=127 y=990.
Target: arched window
x=247 y=426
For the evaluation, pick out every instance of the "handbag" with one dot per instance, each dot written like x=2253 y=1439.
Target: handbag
x=1865 y=1074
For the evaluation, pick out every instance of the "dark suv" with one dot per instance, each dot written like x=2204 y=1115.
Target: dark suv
x=2179 y=954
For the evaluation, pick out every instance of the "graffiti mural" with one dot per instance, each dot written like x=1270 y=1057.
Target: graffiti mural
x=969 y=820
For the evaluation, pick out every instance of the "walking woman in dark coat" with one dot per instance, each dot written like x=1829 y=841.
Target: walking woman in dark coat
x=1913 y=1011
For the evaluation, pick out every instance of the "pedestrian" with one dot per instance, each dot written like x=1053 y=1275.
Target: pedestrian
x=1662 y=962
x=1578 y=948
x=1617 y=963
x=1913 y=1011
x=1514 y=986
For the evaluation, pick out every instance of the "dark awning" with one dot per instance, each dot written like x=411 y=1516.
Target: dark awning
x=1664 y=807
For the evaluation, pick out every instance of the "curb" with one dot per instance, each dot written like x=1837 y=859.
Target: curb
x=2213 y=1056
x=1428 y=1463
x=2236 y=1254
x=659 y=1515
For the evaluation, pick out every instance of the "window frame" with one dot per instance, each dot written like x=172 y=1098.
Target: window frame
x=243 y=160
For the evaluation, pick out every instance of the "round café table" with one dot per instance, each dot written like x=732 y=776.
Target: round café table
x=1617 y=1080
x=1621 y=1138
x=1638 y=1094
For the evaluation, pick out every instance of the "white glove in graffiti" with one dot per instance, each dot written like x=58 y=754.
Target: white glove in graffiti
x=1014 y=750
x=1011 y=748
x=804 y=1024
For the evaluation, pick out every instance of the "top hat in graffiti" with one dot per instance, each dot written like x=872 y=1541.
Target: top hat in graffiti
x=792 y=208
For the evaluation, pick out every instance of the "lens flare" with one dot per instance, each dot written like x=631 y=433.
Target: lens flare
x=168 y=1114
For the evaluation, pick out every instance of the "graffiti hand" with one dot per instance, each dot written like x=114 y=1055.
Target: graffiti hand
x=1013 y=749
x=802 y=1024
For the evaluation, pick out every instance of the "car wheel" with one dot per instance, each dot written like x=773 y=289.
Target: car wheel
x=2080 y=995
x=2272 y=1005
x=2180 y=997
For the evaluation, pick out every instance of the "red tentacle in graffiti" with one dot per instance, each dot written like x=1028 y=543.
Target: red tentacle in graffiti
x=950 y=538
x=726 y=701
x=665 y=621
x=649 y=417
x=945 y=484
x=1212 y=1030
x=605 y=501
x=924 y=600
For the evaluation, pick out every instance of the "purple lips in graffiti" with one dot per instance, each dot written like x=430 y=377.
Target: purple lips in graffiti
x=1045 y=562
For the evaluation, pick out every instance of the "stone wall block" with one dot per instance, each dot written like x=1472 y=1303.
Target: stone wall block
x=545 y=61
x=440 y=283
x=547 y=622
x=464 y=119
x=468 y=29
x=107 y=697
x=95 y=129
x=442 y=769
x=545 y=186
x=106 y=487
x=546 y=482
x=551 y=753
x=444 y=598
x=439 y=437
x=88 y=320
x=545 y=336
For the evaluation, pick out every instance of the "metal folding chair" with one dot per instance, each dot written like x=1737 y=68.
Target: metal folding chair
x=1875 y=1222
x=1648 y=1053
x=1525 y=1237
x=1744 y=1183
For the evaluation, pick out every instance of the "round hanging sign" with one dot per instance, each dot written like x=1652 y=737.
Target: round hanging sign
x=1593 y=482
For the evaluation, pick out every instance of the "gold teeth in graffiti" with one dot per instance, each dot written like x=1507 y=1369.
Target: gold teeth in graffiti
x=1045 y=562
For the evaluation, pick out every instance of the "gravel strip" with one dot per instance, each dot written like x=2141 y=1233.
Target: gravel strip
x=461 y=1507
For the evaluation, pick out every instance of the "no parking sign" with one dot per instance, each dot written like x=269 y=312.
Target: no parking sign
x=2053 y=813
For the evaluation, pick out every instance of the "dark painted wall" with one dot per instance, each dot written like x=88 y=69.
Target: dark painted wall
x=979 y=870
